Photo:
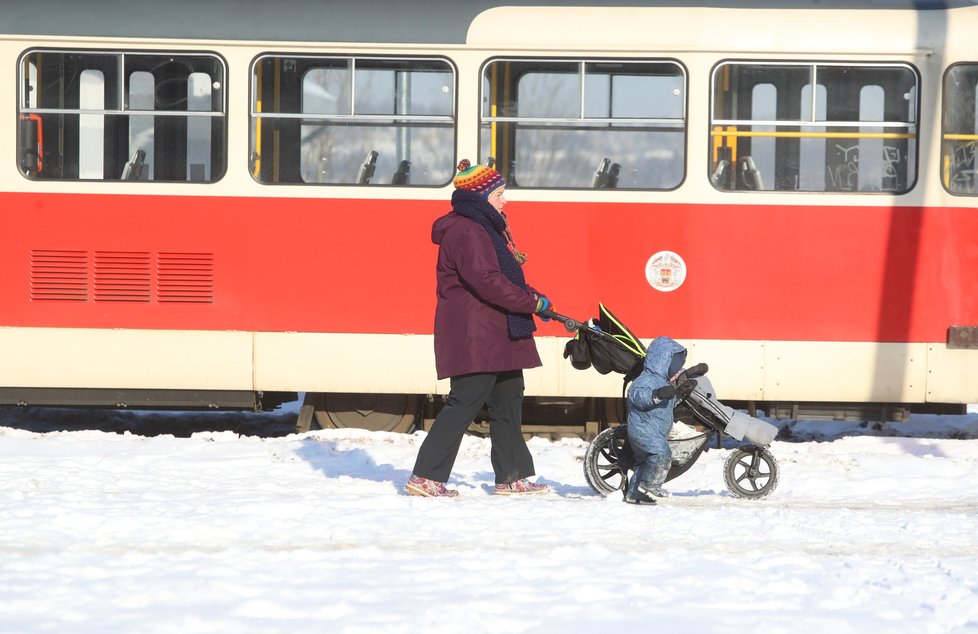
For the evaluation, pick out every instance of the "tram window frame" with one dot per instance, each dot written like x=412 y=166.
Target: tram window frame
x=655 y=147
x=814 y=127
x=363 y=143
x=959 y=130
x=99 y=133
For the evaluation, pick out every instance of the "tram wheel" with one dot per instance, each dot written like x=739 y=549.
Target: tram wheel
x=607 y=460
x=750 y=472
x=373 y=412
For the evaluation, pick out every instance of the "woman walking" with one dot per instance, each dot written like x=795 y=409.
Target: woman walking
x=483 y=337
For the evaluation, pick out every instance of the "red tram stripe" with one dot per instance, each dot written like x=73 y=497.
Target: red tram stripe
x=756 y=272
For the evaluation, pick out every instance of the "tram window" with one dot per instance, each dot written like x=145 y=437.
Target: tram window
x=585 y=123
x=959 y=131
x=856 y=131
x=92 y=111
x=315 y=118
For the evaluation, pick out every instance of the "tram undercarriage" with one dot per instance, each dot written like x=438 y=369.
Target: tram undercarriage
x=559 y=417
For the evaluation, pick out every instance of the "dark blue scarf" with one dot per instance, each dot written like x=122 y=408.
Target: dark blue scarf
x=475 y=207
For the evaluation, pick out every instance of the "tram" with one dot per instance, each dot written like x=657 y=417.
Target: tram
x=225 y=204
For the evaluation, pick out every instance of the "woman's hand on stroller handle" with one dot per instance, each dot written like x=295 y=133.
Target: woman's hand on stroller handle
x=572 y=325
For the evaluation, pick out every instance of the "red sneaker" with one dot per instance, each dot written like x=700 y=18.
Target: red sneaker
x=521 y=487
x=428 y=488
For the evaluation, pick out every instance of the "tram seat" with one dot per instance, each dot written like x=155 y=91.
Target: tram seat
x=403 y=174
x=600 y=180
x=750 y=176
x=366 y=171
x=30 y=144
x=721 y=174
x=613 y=173
x=133 y=170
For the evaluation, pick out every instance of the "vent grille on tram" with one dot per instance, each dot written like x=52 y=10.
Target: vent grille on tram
x=121 y=276
x=59 y=275
x=185 y=277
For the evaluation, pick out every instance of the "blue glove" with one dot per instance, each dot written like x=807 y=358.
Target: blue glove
x=543 y=304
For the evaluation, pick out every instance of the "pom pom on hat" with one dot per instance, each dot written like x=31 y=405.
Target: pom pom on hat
x=480 y=179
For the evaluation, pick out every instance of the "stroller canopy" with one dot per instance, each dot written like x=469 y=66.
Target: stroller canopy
x=606 y=345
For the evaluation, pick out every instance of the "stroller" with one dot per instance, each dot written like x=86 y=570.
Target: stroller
x=608 y=346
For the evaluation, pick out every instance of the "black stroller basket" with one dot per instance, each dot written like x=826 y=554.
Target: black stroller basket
x=608 y=346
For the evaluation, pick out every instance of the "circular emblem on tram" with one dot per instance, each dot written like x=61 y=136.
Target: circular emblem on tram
x=665 y=271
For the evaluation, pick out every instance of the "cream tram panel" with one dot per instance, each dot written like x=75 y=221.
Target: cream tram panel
x=135 y=359
x=341 y=362
x=739 y=370
x=857 y=372
x=951 y=374
x=654 y=29
x=329 y=362
x=54 y=357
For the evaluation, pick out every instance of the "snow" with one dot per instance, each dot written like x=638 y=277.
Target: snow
x=104 y=529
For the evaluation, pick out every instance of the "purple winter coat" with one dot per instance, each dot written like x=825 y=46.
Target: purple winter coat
x=471 y=329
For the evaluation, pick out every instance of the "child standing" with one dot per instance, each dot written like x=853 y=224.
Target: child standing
x=651 y=400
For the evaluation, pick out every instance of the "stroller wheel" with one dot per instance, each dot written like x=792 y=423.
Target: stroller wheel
x=607 y=461
x=750 y=472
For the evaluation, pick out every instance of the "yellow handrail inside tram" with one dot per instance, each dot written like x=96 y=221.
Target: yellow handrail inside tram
x=493 y=90
x=256 y=171
x=814 y=135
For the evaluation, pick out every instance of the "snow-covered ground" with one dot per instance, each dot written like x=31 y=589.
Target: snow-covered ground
x=870 y=530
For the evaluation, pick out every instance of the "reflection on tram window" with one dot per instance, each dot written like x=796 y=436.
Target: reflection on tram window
x=114 y=115
x=585 y=124
x=960 y=129
x=352 y=120
x=826 y=127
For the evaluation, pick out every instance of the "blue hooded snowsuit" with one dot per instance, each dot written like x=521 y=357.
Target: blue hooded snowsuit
x=649 y=418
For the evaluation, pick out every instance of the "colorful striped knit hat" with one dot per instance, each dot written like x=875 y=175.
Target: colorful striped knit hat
x=479 y=179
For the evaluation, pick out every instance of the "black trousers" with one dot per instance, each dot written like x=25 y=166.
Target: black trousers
x=502 y=394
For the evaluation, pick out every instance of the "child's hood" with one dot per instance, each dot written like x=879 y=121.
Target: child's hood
x=664 y=357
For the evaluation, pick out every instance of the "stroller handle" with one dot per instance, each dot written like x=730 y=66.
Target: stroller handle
x=572 y=325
